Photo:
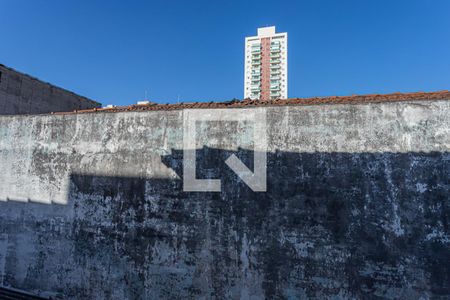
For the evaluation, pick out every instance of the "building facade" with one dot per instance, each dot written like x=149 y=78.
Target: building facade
x=23 y=94
x=266 y=65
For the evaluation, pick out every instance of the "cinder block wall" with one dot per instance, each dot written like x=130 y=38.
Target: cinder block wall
x=357 y=206
x=23 y=94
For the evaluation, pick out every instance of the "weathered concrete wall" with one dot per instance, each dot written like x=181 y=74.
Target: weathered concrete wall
x=357 y=206
x=22 y=94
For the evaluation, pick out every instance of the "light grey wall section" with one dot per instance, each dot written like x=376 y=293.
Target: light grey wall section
x=23 y=94
x=91 y=205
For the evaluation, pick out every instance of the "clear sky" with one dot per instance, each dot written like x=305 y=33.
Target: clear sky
x=113 y=51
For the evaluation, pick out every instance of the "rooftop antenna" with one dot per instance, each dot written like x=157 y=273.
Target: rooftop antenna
x=145 y=97
x=178 y=99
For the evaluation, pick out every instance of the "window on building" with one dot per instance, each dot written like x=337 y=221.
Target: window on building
x=0 y=76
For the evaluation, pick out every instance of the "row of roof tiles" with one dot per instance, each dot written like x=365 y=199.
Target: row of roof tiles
x=354 y=99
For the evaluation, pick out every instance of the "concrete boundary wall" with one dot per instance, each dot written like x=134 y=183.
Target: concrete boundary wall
x=92 y=205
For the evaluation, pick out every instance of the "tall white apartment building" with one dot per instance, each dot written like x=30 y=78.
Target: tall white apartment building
x=266 y=65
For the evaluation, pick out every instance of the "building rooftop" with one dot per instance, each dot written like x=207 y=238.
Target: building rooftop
x=266 y=31
x=354 y=99
x=45 y=82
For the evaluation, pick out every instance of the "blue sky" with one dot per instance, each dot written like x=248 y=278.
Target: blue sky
x=113 y=51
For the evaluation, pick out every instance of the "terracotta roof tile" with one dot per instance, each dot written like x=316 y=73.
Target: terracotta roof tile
x=354 y=99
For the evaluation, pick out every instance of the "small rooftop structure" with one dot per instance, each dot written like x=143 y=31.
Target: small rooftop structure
x=146 y=102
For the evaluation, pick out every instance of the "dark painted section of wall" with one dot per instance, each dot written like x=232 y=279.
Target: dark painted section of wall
x=323 y=229
x=23 y=94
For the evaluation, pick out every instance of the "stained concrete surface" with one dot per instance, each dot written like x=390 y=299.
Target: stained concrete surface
x=357 y=206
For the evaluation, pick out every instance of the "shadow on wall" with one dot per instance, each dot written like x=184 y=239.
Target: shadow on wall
x=348 y=224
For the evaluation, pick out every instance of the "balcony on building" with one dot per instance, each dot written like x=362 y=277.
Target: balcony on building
x=275 y=61
x=275 y=47
x=275 y=66
x=256 y=48
x=275 y=55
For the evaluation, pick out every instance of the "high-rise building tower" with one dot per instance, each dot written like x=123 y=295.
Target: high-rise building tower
x=266 y=65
